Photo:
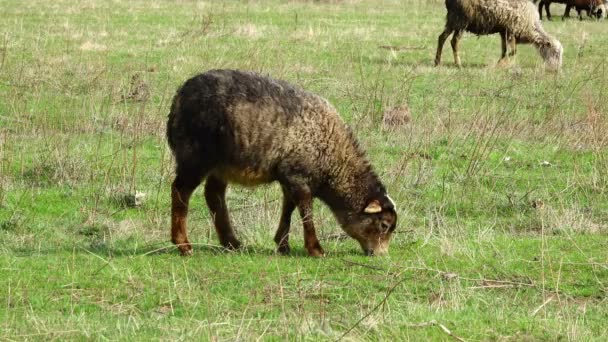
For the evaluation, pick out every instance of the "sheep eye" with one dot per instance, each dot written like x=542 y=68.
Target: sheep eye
x=385 y=226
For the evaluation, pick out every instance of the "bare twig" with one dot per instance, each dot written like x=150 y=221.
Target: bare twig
x=447 y=331
x=175 y=246
x=495 y=286
x=401 y=48
x=542 y=306
x=64 y=332
x=381 y=303
x=107 y=262
x=441 y=326
x=336 y=236
x=362 y=265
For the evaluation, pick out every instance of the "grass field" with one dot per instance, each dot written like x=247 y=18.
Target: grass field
x=501 y=177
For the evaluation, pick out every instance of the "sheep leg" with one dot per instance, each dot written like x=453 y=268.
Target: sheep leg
x=455 y=40
x=513 y=44
x=547 y=4
x=504 y=38
x=184 y=184
x=567 y=11
x=302 y=196
x=442 y=37
x=282 y=235
x=503 y=45
x=215 y=195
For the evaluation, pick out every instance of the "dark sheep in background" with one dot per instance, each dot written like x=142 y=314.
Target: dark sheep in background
x=595 y=8
x=546 y=4
x=516 y=21
x=232 y=126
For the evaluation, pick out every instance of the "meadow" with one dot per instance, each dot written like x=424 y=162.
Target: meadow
x=500 y=177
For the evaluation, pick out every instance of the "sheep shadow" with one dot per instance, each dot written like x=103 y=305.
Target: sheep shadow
x=428 y=62
x=167 y=248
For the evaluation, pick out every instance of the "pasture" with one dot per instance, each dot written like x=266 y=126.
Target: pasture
x=500 y=177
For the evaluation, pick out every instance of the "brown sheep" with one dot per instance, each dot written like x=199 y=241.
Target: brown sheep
x=515 y=21
x=594 y=8
x=232 y=126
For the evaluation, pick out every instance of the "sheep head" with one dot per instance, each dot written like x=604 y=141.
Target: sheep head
x=551 y=51
x=373 y=226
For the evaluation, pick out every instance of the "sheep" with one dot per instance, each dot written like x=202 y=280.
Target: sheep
x=515 y=20
x=596 y=8
x=241 y=127
x=546 y=4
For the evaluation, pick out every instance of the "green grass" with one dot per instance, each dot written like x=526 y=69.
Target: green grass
x=501 y=178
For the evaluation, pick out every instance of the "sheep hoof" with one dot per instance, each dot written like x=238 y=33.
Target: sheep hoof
x=503 y=63
x=284 y=250
x=232 y=245
x=185 y=249
x=316 y=252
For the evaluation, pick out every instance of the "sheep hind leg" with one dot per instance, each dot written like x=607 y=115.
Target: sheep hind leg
x=441 y=40
x=513 y=46
x=215 y=195
x=503 y=45
x=184 y=184
x=567 y=11
x=455 y=41
x=282 y=235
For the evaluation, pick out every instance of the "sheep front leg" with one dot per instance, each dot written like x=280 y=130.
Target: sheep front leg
x=503 y=45
x=567 y=11
x=547 y=10
x=215 y=195
x=513 y=45
x=504 y=36
x=302 y=197
x=455 y=40
x=282 y=236
x=442 y=37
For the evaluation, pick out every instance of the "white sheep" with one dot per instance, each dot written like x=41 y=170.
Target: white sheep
x=516 y=21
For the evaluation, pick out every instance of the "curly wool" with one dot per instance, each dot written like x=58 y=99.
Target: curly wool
x=518 y=19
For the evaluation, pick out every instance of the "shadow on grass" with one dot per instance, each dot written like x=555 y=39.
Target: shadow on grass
x=426 y=62
x=162 y=248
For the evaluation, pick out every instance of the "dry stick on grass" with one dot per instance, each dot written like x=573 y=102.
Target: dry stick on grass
x=381 y=303
x=435 y=323
x=218 y=247
x=353 y=263
x=501 y=282
x=542 y=306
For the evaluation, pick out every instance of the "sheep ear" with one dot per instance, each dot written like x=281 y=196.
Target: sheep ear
x=373 y=207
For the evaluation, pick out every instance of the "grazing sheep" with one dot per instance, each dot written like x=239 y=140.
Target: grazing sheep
x=515 y=20
x=232 y=126
x=594 y=8
x=546 y=4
